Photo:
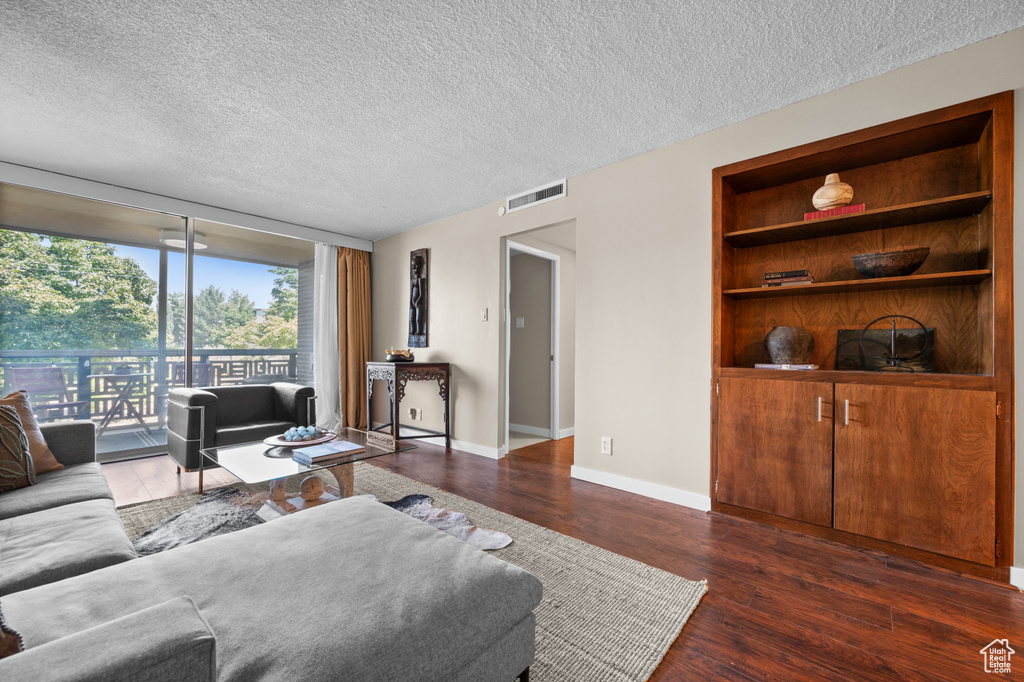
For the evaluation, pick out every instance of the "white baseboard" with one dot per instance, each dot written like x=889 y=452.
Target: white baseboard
x=1017 y=577
x=530 y=430
x=659 y=492
x=542 y=433
x=466 y=446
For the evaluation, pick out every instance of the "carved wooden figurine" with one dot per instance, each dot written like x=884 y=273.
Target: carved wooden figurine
x=418 y=291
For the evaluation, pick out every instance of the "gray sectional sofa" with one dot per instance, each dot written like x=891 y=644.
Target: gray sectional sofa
x=347 y=590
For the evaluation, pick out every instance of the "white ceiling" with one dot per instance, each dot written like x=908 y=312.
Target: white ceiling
x=368 y=118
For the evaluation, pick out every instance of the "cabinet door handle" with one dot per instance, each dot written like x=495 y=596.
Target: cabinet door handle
x=847 y=419
x=819 y=408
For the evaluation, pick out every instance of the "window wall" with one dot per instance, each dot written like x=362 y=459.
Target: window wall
x=99 y=291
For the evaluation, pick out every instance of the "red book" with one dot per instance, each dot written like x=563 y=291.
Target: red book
x=832 y=212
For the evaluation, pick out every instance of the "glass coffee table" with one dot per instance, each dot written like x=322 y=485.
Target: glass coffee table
x=257 y=462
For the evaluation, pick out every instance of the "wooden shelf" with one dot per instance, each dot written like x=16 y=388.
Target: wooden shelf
x=959 y=206
x=976 y=382
x=937 y=279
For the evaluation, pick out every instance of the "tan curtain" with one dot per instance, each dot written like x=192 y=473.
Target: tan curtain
x=353 y=333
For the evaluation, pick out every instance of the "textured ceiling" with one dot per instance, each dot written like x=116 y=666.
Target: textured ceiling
x=370 y=118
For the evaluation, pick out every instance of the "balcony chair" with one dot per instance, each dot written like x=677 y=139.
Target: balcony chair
x=48 y=392
x=217 y=416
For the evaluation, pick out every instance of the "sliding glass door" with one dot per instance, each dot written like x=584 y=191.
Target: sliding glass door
x=96 y=314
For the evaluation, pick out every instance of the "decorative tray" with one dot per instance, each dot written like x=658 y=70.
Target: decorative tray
x=282 y=443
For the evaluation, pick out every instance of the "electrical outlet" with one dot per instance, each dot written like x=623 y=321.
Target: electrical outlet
x=412 y=413
x=606 y=445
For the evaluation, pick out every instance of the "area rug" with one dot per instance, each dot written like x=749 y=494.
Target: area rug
x=451 y=522
x=226 y=510
x=220 y=511
x=602 y=616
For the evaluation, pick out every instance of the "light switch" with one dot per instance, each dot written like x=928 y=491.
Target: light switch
x=483 y=314
x=520 y=322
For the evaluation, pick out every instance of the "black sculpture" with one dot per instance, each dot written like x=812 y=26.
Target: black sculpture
x=418 y=299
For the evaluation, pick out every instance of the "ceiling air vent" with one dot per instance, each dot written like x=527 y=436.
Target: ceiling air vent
x=555 y=190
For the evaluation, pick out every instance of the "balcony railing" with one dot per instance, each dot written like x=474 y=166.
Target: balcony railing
x=100 y=377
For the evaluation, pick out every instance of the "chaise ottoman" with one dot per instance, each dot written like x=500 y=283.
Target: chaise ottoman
x=348 y=590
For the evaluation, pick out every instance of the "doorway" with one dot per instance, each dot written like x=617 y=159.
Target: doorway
x=540 y=340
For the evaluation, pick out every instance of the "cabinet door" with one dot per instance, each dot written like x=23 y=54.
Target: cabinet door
x=916 y=466
x=775 y=447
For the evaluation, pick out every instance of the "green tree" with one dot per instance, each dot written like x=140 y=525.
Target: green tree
x=269 y=332
x=176 y=319
x=238 y=309
x=208 y=318
x=57 y=293
x=285 y=294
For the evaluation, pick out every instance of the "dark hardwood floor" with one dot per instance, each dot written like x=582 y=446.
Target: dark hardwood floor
x=780 y=606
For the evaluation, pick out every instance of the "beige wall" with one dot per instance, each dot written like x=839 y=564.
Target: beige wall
x=529 y=383
x=643 y=248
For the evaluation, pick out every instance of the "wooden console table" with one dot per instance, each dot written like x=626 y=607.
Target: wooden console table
x=397 y=375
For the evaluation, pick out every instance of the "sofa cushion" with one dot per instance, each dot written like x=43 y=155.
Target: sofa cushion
x=169 y=642
x=368 y=592
x=69 y=485
x=57 y=543
x=248 y=432
x=243 y=404
x=16 y=470
x=42 y=459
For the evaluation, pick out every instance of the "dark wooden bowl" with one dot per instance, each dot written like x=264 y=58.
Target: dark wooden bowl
x=890 y=263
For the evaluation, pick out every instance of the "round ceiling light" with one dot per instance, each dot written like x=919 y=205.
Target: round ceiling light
x=176 y=239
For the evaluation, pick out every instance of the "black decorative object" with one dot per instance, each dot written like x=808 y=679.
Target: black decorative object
x=890 y=263
x=893 y=349
x=418 y=298
x=393 y=355
x=789 y=345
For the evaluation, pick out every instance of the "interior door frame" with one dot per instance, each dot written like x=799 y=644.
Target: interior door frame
x=514 y=246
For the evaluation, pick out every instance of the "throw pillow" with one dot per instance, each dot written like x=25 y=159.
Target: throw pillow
x=16 y=469
x=10 y=641
x=42 y=458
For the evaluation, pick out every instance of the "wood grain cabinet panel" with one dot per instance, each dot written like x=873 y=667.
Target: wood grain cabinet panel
x=917 y=466
x=775 y=453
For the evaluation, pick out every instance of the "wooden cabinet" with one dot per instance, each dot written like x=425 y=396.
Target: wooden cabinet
x=925 y=466
x=775 y=440
x=916 y=466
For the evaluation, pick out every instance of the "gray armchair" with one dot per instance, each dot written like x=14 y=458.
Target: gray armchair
x=230 y=415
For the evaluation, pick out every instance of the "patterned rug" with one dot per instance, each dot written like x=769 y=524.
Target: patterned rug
x=226 y=510
x=217 y=512
x=602 y=617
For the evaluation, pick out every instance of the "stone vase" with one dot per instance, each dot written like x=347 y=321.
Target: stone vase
x=789 y=345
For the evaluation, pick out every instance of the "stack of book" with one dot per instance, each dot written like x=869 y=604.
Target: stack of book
x=833 y=212
x=773 y=365
x=787 y=278
x=318 y=454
